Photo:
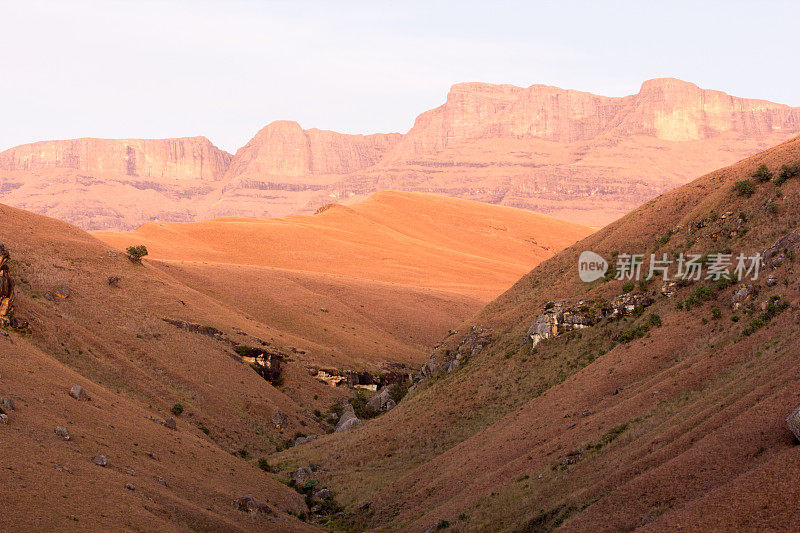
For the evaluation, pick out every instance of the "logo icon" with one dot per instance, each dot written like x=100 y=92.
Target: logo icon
x=591 y=267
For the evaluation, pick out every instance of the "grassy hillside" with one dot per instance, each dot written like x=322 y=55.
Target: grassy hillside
x=609 y=427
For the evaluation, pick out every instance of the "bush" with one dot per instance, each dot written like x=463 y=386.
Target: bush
x=398 y=391
x=628 y=287
x=762 y=174
x=361 y=407
x=135 y=253
x=744 y=188
x=653 y=321
x=716 y=313
x=786 y=173
x=264 y=465
x=177 y=409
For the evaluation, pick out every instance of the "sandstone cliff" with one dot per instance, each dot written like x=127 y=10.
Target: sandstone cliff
x=186 y=158
x=284 y=150
x=667 y=109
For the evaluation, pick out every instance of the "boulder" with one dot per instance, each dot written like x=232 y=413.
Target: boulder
x=170 y=423
x=383 y=400
x=793 y=423
x=78 y=393
x=129 y=486
x=278 y=419
x=248 y=503
x=7 y=405
x=3 y=419
x=305 y=440
x=62 y=433
x=348 y=420
x=300 y=476
x=100 y=460
x=323 y=494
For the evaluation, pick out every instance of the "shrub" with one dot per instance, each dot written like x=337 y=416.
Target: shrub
x=744 y=188
x=398 y=391
x=243 y=453
x=762 y=174
x=443 y=524
x=177 y=409
x=361 y=407
x=135 y=253
x=264 y=465
x=628 y=287
x=716 y=313
x=786 y=173
x=653 y=321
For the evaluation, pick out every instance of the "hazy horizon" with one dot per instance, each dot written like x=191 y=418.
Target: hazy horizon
x=141 y=69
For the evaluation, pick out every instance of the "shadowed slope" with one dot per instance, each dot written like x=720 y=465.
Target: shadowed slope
x=587 y=432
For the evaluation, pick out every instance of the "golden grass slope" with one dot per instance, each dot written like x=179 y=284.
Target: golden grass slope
x=415 y=239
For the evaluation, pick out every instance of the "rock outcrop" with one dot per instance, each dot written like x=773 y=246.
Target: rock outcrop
x=382 y=401
x=559 y=317
x=6 y=287
x=348 y=420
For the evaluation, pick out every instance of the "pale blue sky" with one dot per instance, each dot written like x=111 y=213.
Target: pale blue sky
x=225 y=69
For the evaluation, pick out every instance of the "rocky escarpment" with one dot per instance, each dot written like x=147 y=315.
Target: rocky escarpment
x=667 y=109
x=560 y=317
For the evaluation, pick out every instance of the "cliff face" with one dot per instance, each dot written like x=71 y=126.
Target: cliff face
x=283 y=149
x=186 y=158
x=666 y=109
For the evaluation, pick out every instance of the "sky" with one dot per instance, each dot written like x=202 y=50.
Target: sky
x=225 y=69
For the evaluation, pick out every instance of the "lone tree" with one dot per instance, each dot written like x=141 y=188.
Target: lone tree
x=135 y=253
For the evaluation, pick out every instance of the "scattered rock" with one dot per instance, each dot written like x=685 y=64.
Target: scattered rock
x=305 y=440
x=170 y=423
x=742 y=293
x=161 y=481
x=129 y=486
x=300 y=476
x=3 y=419
x=152 y=456
x=314 y=467
x=113 y=281
x=249 y=504
x=669 y=289
x=348 y=420
x=278 y=418
x=78 y=393
x=100 y=460
x=7 y=405
x=62 y=433
x=323 y=494
x=772 y=280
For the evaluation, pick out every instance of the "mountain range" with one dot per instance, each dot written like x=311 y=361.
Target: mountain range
x=569 y=154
